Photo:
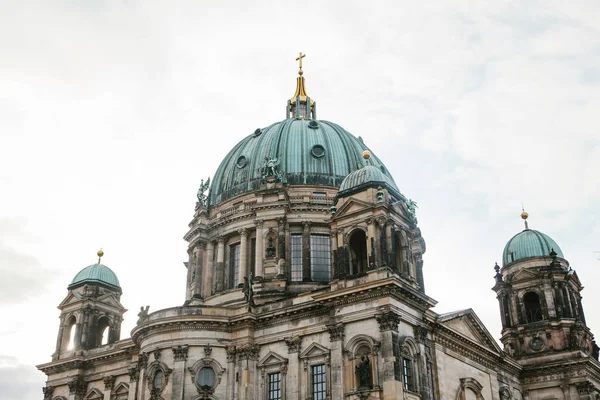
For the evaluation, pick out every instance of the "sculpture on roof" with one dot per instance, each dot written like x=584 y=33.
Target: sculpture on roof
x=202 y=197
x=270 y=171
x=412 y=206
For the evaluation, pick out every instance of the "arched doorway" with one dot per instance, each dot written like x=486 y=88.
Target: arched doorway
x=358 y=252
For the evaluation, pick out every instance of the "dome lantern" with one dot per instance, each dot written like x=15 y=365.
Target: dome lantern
x=301 y=106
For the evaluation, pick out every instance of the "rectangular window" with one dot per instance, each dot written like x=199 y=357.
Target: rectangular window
x=275 y=386
x=253 y=256
x=234 y=261
x=407 y=374
x=296 y=267
x=320 y=258
x=319 y=391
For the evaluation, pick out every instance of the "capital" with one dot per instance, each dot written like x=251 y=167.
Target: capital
x=243 y=232
x=388 y=321
x=259 y=223
x=306 y=225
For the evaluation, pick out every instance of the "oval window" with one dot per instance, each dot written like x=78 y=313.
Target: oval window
x=241 y=162
x=317 y=151
x=157 y=382
x=206 y=378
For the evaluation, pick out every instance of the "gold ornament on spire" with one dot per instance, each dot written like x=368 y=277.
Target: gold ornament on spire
x=366 y=154
x=524 y=216
x=299 y=59
x=297 y=106
x=100 y=254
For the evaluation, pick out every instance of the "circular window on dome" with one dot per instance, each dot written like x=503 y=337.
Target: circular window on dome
x=241 y=162
x=257 y=132
x=206 y=378
x=382 y=168
x=317 y=151
x=313 y=124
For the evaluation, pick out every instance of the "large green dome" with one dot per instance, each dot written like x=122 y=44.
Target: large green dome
x=98 y=274
x=310 y=152
x=529 y=243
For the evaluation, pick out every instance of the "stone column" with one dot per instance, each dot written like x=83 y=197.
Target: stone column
x=180 y=354
x=109 y=384
x=388 y=326
x=207 y=288
x=394 y=248
x=294 y=345
x=231 y=384
x=382 y=245
x=220 y=265
x=248 y=355
x=59 y=339
x=334 y=253
x=85 y=329
x=243 y=256
x=199 y=264
x=260 y=250
x=336 y=337
x=371 y=243
x=134 y=377
x=306 y=251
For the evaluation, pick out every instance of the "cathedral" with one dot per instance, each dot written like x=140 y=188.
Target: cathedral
x=305 y=281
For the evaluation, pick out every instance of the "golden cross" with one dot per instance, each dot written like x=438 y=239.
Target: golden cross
x=299 y=59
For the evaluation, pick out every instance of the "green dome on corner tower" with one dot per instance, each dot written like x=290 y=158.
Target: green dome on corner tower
x=96 y=274
x=529 y=243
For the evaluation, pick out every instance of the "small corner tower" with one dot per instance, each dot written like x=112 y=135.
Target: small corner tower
x=91 y=314
x=543 y=323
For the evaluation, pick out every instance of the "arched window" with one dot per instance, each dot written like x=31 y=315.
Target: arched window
x=71 y=328
x=533 y=311
x=158 y=380
x=101 y=332
x=358 y=252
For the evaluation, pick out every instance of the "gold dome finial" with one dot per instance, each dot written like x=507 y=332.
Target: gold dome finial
x=524 y=216
x=100 y=253
x=301 y=106
x=366 y=154
x=299 y=59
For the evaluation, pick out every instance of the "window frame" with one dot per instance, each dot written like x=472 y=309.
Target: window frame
x=314 y=355
x=235 y=251
x=272 y=363
x=316 y=255
x=296 y=256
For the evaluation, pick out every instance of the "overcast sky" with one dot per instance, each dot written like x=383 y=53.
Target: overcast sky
x=111 y=112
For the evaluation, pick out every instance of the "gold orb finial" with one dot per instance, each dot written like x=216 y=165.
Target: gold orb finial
x=100 y=253
x=524 y=215
x=366 y=154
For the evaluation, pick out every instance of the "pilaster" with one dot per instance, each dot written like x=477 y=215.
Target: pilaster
x=180 y=354
x=243 y=256
x=260 y=248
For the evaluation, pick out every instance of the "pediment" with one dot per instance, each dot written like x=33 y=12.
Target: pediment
x=94 y=394
x=121 y=388
x=272 y=359
x=109 y=299
x=314 y=350
x=524 y=275
x=72 y=297
x=352 y=206
x=467 y=324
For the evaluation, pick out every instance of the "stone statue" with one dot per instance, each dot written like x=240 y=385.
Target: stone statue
x=270 y=169
x=202 y=198
x=248 y=291
x=412 y=206
x=363 y=370
x=504 y=393
x=143 y=314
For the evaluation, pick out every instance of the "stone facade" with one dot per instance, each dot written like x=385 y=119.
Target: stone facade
x=307 y=292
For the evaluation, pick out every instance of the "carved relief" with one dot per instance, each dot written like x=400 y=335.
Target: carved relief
x=294 y=343
x=180 y=353
x=336 y=331
x=388 y=321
